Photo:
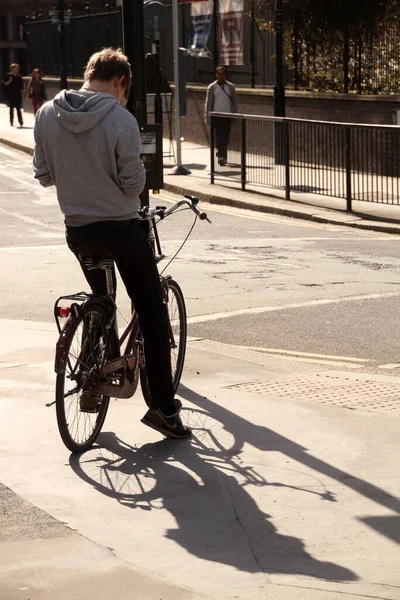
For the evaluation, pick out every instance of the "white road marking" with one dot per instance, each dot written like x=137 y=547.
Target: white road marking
x=7 y=152
x=266 y=309
x=15 y=173
x=31 y=221
x=390 y=366
x=308 y=354
x=43 y=247
x=318 y=361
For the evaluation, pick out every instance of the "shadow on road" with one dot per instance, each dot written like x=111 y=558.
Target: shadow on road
x=202 y=483
x=267 y=440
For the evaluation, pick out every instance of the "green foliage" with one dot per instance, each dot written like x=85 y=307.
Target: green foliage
x=321 y=37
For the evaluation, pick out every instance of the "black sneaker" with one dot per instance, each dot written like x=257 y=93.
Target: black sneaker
x=170 y=426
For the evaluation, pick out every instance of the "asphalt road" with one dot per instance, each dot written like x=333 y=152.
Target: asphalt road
x=291 y=288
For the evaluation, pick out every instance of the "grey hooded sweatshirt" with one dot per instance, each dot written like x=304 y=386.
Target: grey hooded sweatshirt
x=89 y=148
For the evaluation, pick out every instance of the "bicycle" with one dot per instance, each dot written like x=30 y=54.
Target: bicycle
x=92 y=357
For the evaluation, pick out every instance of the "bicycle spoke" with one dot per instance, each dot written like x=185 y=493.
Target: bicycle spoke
x=86 y=355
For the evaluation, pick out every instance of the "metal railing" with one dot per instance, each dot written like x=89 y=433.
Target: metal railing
x=341 y=160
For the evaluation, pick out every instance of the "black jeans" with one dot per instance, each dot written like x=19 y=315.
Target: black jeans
x=126 y=242
x=15 y=102
x=222 y=132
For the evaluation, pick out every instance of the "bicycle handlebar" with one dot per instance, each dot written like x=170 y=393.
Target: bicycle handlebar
x=191 y=202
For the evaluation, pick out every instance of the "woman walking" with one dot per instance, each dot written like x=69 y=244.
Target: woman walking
x=37 y=90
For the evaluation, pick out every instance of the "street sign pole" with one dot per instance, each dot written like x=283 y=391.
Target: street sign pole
x=279 y=91
x=133 y=29
x=61 y=29
x=179 y=169
x=155 y=49
x=133 y=32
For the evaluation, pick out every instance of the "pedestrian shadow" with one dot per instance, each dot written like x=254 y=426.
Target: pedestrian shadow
x=196 y=166
x=203 y=484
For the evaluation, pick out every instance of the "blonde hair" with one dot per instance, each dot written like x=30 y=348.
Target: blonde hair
x=108 y=63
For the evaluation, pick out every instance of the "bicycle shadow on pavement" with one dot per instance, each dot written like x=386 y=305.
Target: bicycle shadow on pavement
x=203 y=485
x=265 y=439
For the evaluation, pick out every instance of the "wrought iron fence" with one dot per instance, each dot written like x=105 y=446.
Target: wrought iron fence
x=86 y=32
x=353 y=58
x=341 y=160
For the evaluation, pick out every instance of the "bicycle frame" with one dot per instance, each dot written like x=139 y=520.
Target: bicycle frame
x=120 y=373
x=118 y=377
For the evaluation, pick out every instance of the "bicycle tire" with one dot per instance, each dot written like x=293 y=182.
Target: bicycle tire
x=177 y=320
x=69 y=416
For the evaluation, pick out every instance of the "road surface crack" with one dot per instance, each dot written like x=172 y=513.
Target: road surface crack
x=242 y=527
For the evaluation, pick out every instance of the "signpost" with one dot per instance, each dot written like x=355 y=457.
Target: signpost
x=60 y=18
x=179 y=169
x=133 y=32
x=279 y=91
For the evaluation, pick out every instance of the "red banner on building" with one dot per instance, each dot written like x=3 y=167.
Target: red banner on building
x=230 y=17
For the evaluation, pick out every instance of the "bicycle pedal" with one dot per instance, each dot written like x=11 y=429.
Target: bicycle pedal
x=90 y=402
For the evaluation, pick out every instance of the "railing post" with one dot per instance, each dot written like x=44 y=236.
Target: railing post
x=287 y=159
x=212 y=145
x=243 y=158
x=348 y=169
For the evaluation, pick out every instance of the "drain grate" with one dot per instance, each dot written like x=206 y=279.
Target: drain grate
x=347 y=392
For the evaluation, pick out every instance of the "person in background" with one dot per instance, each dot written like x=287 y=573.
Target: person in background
x=14 y=89
x=36 y=90
x=221 y=97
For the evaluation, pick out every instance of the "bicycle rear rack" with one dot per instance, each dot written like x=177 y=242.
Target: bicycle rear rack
x=75 y=308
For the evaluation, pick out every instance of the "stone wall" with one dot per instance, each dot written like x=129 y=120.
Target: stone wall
x=342 y=108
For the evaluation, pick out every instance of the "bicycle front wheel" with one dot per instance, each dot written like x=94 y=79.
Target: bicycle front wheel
x=86 y=349
x=177 y=330
x=177 y=326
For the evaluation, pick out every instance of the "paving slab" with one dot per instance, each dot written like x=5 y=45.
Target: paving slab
x=275 y=496
x=74 y=567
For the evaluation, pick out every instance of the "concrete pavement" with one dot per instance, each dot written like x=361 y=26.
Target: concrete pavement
x=322 y=209
x=276 y=497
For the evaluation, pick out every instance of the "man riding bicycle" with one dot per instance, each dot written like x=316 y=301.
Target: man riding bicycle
x=89 y=147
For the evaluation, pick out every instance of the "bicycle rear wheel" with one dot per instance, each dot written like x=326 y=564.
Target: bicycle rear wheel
x=86 y=349
x=178 y=334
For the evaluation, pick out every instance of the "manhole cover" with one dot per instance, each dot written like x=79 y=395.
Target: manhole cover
x=347 y=392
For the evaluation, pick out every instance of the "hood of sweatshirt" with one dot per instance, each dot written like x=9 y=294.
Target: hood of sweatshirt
x=79 y=111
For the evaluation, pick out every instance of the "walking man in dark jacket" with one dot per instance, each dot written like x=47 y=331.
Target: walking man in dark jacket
x=15 y=92
x=221 y=97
